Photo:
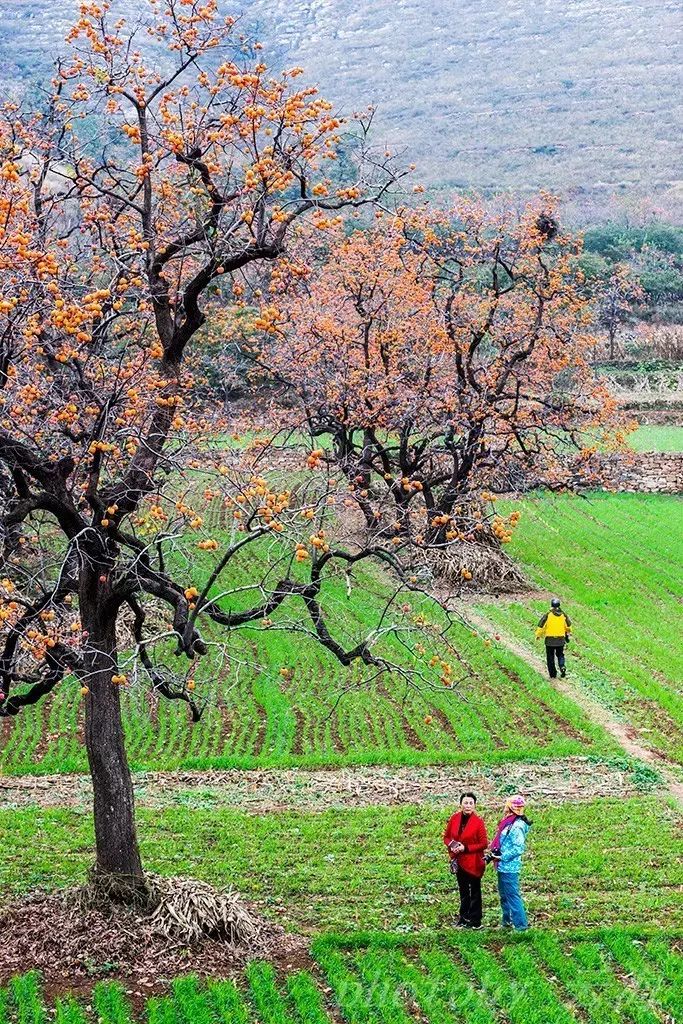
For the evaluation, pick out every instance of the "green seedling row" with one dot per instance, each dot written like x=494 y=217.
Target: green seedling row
x=630 y=957
x=606 y=976
x=111 y=1004
x=306 y=999
x=453 y=987
x=229 y=1005
x=27 y=999
x=594 y=960
x=161 y=1011
x=263 y=989
x=67 y=1011
x=193 y=1004
x=518 y=1002
x=349 y=994
x=378 y=970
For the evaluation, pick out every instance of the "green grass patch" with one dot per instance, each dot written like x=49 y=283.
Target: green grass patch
x=654 y=438
x=605 y=861
x=615 y=562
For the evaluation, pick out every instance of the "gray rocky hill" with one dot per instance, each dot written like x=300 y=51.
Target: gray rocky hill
x=579 y=95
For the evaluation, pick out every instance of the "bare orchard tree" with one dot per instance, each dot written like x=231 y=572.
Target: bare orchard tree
x=618 y=297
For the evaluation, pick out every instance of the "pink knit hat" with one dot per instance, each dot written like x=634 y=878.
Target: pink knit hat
x=517 y=802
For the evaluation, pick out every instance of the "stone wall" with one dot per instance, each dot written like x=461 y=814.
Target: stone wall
x=647 y=472
x=640 y=472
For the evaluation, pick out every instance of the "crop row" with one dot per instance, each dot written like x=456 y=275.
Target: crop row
x=612 y=977
x=279 y=699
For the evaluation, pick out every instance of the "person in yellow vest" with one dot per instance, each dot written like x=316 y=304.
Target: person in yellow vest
x=556 y=627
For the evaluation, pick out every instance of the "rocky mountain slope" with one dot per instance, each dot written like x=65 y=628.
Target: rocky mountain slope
x=575 y=96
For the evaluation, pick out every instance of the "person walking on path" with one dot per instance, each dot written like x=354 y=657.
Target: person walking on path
x=556 y=627
x=507 y=850
x=466 y=839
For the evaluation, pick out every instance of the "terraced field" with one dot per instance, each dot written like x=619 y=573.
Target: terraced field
x=653 y=438
x=604 y=861
x=610 y=977
x=323 y=714
x=615 y=560
x=626 y=653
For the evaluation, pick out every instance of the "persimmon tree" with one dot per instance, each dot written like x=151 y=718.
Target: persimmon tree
x=166 y=160
x=444 y=354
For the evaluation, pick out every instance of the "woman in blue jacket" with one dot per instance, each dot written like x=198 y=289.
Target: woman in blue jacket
x=507 y=850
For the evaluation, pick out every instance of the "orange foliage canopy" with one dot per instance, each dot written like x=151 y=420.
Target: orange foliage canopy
x=153 y=175
x=167 y=159
x=445 y=354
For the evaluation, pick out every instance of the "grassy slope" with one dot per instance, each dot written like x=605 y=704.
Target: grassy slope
x=604 y=862
x=608 y=977
x=514 y=97
x=615 y=561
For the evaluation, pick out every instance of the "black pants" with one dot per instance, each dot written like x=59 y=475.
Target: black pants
x=551 y=653
x=470 y=897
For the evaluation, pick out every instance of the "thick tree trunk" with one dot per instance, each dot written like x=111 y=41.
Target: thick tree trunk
x=118 y=857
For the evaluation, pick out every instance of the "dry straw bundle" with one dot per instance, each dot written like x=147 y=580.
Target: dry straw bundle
x=188 y=911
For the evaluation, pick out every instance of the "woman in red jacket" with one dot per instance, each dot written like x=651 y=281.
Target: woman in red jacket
x=466 y=839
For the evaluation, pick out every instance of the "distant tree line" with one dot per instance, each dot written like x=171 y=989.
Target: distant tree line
x=638 y=272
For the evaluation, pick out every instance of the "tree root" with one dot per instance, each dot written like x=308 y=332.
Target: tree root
x=105 y=888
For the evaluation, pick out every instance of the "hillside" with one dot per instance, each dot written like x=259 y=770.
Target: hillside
x=580 y=97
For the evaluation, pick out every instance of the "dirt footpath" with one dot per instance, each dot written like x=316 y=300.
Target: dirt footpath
x=622 y=732
x=572 y=778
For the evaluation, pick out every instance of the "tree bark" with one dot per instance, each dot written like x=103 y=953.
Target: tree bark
x=118 y=863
